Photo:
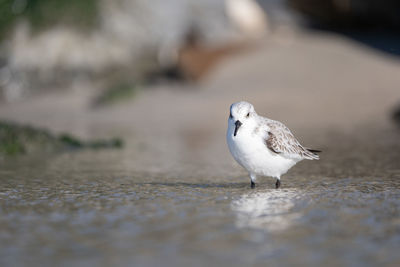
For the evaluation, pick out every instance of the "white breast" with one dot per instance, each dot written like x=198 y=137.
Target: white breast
x=251 y=152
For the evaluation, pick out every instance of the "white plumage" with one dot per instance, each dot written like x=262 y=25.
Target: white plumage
x=262 y=146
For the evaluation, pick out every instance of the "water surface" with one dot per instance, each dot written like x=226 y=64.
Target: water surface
x=90 y=208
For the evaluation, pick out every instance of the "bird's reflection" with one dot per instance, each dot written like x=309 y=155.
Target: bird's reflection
x=271 y=210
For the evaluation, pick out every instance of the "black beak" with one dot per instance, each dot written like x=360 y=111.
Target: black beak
x=237 y=126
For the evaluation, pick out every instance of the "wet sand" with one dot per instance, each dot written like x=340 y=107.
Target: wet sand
x=174 y=196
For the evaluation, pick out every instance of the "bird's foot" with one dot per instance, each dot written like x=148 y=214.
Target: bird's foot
x=278 y=183
x=253 y=185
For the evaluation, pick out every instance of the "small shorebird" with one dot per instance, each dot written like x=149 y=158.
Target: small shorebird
x=263 y=146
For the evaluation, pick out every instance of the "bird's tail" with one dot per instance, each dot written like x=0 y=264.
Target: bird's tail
x=313 y=153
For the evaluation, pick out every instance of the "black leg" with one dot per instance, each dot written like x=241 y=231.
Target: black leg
x=278 y=183
x=253 y=185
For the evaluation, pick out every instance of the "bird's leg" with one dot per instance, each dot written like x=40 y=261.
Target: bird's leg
x=278 y=183
x=252 y=180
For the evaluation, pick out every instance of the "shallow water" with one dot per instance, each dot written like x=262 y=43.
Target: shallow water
x=90 y=208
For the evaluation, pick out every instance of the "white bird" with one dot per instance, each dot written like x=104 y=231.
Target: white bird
x=263 y=146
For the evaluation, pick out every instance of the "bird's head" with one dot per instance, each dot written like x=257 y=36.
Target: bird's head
x=242 y=114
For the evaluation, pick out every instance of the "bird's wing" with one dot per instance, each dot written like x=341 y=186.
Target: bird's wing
x=281 y=141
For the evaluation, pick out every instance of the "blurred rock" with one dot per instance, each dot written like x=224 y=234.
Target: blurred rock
x=133 y=36
x=396 y=115
x=350 y=13
x=195 y=55
x=195 y=60
x=18 y=139
x=247 y=16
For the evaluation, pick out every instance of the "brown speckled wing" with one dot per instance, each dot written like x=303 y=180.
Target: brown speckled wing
x=272 y=143
x=281 y=141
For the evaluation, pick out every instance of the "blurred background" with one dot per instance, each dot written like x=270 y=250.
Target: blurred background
x=112 y=131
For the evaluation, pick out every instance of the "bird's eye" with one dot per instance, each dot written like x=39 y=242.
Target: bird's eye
x=248 y=115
